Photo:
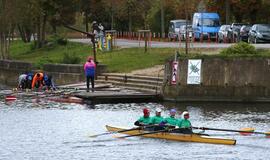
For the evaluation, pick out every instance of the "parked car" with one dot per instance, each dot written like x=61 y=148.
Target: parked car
x=222 y=33
x=234 y=32
x=174 y=28
x=259 y=33
x=183 y=32
x=244 y=30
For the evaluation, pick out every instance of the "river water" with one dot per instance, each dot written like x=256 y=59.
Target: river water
x=32 y=129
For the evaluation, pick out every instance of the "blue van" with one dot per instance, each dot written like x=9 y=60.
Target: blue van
x=205 y=25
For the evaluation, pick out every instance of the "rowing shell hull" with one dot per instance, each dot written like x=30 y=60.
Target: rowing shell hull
x=178 y=136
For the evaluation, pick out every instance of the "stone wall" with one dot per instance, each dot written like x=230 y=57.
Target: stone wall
x=62 y=73
x=240 y=79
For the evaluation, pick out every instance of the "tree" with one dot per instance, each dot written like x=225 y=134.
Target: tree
x=7 y=25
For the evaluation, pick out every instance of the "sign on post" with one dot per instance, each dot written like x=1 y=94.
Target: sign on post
x=174 y=72
x=194 y=71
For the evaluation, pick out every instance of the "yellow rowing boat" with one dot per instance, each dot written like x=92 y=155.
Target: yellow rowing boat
x=177 y=136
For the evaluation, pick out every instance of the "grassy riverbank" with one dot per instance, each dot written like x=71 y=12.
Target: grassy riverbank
x=119 y=60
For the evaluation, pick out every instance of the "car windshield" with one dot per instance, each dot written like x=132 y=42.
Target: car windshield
x=264 y=28
x=224 y=28
x=179 y=24
x=209 y=22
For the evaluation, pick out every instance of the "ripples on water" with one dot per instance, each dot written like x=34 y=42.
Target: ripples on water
x=39 y=129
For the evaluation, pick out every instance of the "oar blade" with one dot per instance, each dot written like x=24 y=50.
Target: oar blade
x=267 y=134
x=247 y=131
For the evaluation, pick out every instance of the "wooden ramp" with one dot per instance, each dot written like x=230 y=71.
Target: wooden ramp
x=117 y=97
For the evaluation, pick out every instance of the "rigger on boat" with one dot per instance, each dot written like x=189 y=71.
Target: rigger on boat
x=164 y=134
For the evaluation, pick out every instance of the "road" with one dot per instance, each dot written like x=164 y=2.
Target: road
x=124 y=43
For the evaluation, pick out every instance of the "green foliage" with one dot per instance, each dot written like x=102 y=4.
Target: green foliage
x=71 y=58
x=58 y=39
x=43 y=60
x=241 y=48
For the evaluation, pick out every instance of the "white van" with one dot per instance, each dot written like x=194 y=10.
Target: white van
x=174 y=28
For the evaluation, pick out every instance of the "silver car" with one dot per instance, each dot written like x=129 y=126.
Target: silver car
x=223 y=33
x=183 y=32
x=259 y=33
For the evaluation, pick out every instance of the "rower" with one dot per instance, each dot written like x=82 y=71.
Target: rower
x=37 y=81
x=184 y=124
x=145 y=119
x=157 y=119
x=22 y=81
x=171 y=120
x=29 y=79
x=48 y=81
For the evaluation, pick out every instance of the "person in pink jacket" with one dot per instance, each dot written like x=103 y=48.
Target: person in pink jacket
x=89 y=70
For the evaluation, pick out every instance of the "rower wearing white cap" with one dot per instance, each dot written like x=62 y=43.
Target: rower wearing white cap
x=157 y=118
x=185 y=124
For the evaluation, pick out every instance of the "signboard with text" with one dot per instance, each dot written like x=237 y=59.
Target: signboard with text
x=194 y=71
x=174 y=72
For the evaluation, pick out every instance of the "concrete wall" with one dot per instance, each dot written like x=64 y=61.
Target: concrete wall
x=224 y=79
x=62 y=73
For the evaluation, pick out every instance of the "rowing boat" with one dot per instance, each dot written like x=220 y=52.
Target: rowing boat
x=178 y=136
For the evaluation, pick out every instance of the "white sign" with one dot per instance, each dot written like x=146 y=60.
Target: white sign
x=194 y=71
x=174 y=72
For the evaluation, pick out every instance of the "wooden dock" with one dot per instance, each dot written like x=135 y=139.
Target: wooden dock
x=108 y=93
x=102 y=97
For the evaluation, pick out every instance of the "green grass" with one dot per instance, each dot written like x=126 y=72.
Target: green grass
x=119 y=60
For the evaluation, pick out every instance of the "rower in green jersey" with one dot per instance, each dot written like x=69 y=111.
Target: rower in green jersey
x=171 y=120
x=184 y=124
x=145 y=119
x=157 y=119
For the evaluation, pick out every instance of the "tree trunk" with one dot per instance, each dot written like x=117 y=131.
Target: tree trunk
x=129 y=19
x=86 y=22
x=1 y=45
x=227 y=4
x=43 y=30
x=22 y=33
x=162 y=18
x=38 y=28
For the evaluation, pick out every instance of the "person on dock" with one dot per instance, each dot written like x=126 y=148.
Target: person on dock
x=145 y=119
x=37 y=81
x=184 y=124
x=89 y=70
x=49 y=83
x=22 y=81
x=171 y=120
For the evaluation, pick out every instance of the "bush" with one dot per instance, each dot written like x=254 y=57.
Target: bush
x=241 y=48
x=58 y=39
x=71 y=58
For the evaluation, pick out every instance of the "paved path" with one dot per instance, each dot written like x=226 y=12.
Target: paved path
x=124 y=43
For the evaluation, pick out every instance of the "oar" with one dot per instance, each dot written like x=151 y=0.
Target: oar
x=160 y=131
x=121 y=131
x=154 y=132
x=231 y=130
